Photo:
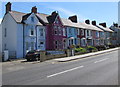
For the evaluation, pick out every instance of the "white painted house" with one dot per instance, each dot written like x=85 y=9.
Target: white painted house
x=22 y=32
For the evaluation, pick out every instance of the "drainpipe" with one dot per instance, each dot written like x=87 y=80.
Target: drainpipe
x=36 y=36
x=23 y=40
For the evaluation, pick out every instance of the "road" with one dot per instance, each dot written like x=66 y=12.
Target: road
x=96 y=70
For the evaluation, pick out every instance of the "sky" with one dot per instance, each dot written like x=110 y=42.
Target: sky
x=99 y=11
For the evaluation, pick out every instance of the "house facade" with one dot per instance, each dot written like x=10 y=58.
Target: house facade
x=22 y=32
x=56 y=33
x=115 y=34
x=107 y=33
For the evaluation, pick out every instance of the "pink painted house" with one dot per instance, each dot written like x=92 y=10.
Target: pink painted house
x=55 y=33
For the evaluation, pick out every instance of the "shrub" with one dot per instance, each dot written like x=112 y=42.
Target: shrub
x=91 y=48
x=82 y=50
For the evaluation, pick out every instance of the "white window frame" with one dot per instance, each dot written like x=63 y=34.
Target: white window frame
x=64 y=32
x=41 y=30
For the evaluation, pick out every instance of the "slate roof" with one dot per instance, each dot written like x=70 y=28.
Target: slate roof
x=105 y=29
x=17 y=15
x=69 y=23
x=43 y=17
x=91 y=27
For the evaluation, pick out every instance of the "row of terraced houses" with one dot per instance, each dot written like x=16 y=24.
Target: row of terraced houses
x=22 y=32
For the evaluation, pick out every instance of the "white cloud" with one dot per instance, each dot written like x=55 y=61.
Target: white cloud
x=69 y=13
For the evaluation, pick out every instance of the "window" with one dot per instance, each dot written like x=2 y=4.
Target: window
x=5 y=47
x=32 y=19
x=70 y=30
x=69 y=42
x=75 y=32
x=78 y=32
x=5 y=34
x=41 y=32
x=32 y=32
x=88 y=33
x=55 y=27
x=64 y=33
x=56 y=44
x=57 y=21
x=26 y=45
x=72 y=41
x=82 y=32
x=97 y=33
x=55 y=32
x=41 y=43
x=32 y=45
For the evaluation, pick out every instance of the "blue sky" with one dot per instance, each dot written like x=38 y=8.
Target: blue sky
x=99 y=11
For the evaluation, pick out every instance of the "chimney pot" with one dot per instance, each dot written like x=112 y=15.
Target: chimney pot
x=94 y=23
x=103 y=24
x=34 y=9
x=73 y=18
x=87 y=21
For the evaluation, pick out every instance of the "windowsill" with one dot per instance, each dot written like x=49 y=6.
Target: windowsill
x=32 y=36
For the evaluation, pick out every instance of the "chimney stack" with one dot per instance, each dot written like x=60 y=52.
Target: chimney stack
x=34 y=9
x=115 y=24
x=94 y=23
x=54 y=13
x=103 y=24
x=8 y=7
x=87 y=21
x=73 y=18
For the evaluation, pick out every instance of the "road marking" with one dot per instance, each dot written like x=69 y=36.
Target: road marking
x=101 y=60
x=64 y=71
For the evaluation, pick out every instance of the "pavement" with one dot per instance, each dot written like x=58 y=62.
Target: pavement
x=94 y=70
x=84 y=55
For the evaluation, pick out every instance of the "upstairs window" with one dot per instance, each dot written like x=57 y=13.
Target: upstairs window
x=70 y=30
x=88 y=34
x=5 y=34
x=32 y=32
x=55 y=32
x=78 y=32
x=82 y=32
x=64 y=33
x=5 y=47
x=41 y=32
x=32 y=19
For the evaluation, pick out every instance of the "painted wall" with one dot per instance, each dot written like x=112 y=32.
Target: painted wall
x=32 y=42
x=20 y=41
x=10 y=41
x=0 y=41
x=54 y=35
x=41 y=38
